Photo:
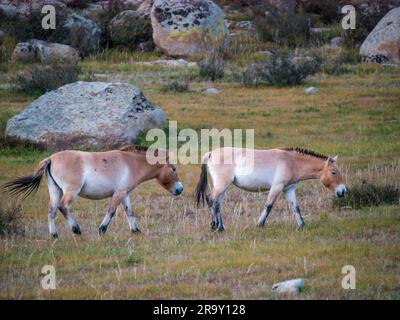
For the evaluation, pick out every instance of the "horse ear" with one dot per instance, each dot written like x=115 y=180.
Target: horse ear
x=331 y=160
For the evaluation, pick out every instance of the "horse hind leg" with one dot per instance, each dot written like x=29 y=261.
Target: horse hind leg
x=55 y=198
x=65 y=209
x=215 y=207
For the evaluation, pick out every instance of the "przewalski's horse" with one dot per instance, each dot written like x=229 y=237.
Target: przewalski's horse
x=95 y=175
x=276 y=170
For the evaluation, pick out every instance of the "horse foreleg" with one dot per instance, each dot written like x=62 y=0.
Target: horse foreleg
x=126 y=203
x=290 y=195
x=65 y=209
x=115 y=202
x=272 y=196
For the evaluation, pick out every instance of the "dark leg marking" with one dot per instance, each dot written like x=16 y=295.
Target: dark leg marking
x=299 y=218
x=268 y=209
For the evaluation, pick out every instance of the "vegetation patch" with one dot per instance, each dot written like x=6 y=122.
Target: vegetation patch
x=368 y=194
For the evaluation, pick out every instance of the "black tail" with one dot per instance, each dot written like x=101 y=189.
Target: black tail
x=24 y=186
x=202 y=186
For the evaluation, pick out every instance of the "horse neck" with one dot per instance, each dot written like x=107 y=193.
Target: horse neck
x=309 y=167
x=147 y=171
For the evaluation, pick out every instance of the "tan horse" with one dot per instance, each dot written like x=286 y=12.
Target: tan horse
x=276 y=170
x=95 y=175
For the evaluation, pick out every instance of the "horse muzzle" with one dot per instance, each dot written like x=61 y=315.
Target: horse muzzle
x=341 y=190
x=178 y=189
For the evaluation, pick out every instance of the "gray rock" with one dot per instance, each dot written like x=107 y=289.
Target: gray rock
x=185 y=28
x=170 y=63
x=311 y=90
x=210 y=91
x=245 y=25
x=44 y=52
x=289 y=286
x=383 y=43
x=82 y=33
x=336 y=42
x=129 y=28
x=86 y=115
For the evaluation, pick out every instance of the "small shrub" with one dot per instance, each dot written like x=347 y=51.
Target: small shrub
x=281 y=69
x=16 y=143
x=337 y=63
x=213 y=66
x=42 y=78
x=367 y=194
x=284 y=28
x=175 y=86
x=10 y=221
x=133 y=259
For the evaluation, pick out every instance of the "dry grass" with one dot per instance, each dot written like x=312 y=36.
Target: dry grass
x=177 y=256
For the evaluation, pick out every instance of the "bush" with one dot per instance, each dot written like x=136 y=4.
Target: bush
x=10 y=221
x=16 y=143
x=175 y=86
x=280 y=69
x=42 y=78
x=284 y=28
x=213 y=66
x=367 y=195
x=337 y=63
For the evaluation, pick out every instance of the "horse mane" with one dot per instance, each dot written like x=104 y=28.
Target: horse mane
x=134 y=148
x=306 y=152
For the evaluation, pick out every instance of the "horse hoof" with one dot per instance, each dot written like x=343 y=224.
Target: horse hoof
x=260 y=224
x=137 y=230
x=102 y=230
x=76 y=229
x=301 y=226
x=213 y=225
x=54 y=236
x=220 y=228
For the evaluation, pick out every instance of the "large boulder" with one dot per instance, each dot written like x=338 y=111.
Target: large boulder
x=44 y=52
x=383 y=43
x=187 y=27
x=86 y=115
x=129 y=28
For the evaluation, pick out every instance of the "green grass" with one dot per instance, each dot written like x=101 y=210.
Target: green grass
x=355 y=115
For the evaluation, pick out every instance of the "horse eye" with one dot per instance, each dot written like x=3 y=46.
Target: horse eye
x=173 y=169
x=333 y=173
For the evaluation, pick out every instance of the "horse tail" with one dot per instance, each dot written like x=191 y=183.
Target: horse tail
x=24 y=186
x=202 y=184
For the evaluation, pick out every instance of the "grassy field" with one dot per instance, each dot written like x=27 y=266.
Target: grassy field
x=355 y=116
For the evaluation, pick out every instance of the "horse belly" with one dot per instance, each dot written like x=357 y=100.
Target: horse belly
x=97 y=188
x=255 y=182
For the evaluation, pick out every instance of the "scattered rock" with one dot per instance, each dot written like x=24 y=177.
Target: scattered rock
x=170 y=63
x=129 y=28
x=210 y=91
x=185 y=28
x=311 y=90
x=289 y=286
x=44 y=52
x=336 y=42
x=383 y=43
x=86 y=115
x=144 y=9
x=245 y=25
x=319 y=30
